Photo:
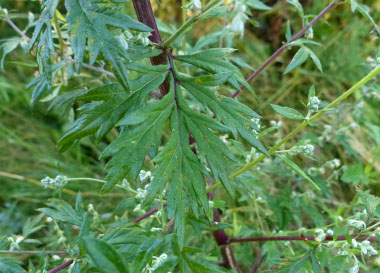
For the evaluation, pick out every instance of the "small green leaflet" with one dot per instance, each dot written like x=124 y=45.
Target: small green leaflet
x=32 y=226
x=10 y=265
x=355 y=174
x=298 y=59
x=287 y=112
x=370 y=201
x=298 y=170
x=298 y=6
x=301 y=56
x=365 y=11
x=291 y=266
x=311 y=92
x=88 y=22
x=8 y=46
x=42 y=82
x=211 y=61
x=45 y=46
x=354 y=5
x=317 y=268
x=288 y=33
x=105 y=258
x=190 y=265
x=61 y=211
x=257 y=4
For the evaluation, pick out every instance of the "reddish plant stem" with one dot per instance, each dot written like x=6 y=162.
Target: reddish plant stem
x=222 y=239
x=299 y=238
x=145 y=15
x=61 y=267
x=147 y=214
x=284 y=46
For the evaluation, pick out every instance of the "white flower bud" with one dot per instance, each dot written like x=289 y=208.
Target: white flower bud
x=313 y=104
x=356 y=224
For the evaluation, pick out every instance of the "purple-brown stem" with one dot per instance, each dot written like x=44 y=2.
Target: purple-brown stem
x=300 y=238
x=145 y=15
x=147 y=214
x=61 y=267
x=284 y=46
x=222 y=239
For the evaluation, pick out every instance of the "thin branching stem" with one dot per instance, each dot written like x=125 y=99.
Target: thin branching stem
x=61 y=267
x=300 y=238
x=32 y=252
x=284 y=46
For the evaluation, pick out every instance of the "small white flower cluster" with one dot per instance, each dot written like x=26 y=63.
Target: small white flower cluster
x=127 y=37
x=145 y=175
x=372 y=61
x=237 y=24
x=313 y=104
x=224 y=138
x=143 y=37
x=309 y=33
x=59 y=181
x=256 y=122
x=315 y=171
x=3 y=11
x=277 y=124
x=306 y=149
x=321 y=235
x=333 y=164
x=154 y=229
x=142 y=193
x=365 y=247
x=356 y=224
x=137 y=208
x=156 y=262
x=60 y=233
x=14 y=242
x=196 y=4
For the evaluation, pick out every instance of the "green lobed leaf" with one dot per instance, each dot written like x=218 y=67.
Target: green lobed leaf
x=287 y=112
x=100 y=118
x=128 y=151
x=88 y=21
x=61 y=211
x=257 y=4
x=105 y=258
x=210 y=61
